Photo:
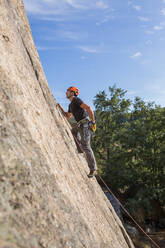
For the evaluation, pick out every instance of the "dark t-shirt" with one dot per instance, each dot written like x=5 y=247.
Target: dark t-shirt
x=78 y=112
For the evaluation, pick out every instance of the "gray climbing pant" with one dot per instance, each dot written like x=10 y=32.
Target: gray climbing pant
x=83 y=136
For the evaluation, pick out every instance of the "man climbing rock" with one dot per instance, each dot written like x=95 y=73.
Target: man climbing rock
x=85 y=125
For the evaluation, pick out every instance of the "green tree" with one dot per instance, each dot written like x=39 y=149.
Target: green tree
x=110 y=113
x=130 y=147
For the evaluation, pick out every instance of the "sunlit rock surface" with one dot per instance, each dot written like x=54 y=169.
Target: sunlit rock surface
x=46 y=198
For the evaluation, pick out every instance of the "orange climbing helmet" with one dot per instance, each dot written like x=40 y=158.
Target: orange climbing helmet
x=74 y=89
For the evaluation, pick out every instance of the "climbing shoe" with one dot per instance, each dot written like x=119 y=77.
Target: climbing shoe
x=92 y=173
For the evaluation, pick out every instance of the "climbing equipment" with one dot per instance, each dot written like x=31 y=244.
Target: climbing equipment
x=83 y=121
x=92 y=126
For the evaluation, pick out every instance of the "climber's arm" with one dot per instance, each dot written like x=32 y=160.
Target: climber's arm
x=89 y=111
x=66 y=114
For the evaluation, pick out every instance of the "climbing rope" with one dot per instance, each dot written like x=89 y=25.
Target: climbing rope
x=110 y=191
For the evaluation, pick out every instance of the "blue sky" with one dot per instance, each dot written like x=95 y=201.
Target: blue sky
x=94 y=44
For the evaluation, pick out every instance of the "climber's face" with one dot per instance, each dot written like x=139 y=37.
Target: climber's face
x=69 y=94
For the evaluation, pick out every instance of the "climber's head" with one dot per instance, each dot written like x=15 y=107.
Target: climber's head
x=72 y=91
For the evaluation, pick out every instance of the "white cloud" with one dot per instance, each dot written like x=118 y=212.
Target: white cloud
x=160 y=26
x=71 y=35
x=143 y=19
x=90 y=49
x=106 y=19
x=49 y=48
x=163 y=11
x=156 y=27
x=63 y=7
x=83 y=4
x=50 y=18
x=101 y=5
x=64 y=35
x=136 y=55
x=76 y=4
x=137 y=7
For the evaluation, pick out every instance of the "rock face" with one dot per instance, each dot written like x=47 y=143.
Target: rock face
x=46 y=198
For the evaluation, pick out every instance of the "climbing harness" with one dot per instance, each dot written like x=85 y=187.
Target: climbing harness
x=83 y=121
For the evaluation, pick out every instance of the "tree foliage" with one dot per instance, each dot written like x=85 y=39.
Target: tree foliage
x=130 y=147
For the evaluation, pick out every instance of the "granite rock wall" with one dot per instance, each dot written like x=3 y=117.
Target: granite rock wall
x=46 y=198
